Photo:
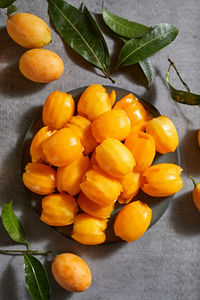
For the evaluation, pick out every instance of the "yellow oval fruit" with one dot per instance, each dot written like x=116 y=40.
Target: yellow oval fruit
x=71 y=272
x=41 y=65
x=28 y=30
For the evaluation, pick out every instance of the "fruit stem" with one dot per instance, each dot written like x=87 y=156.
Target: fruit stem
x=195 y=184
x=22 y=252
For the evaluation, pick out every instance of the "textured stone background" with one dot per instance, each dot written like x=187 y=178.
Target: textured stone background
x=164 y=264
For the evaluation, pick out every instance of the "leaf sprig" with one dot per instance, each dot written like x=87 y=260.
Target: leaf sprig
x=35 y=274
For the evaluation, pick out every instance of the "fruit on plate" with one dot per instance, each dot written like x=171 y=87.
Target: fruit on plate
x=71 y=272
x=111 y=124
x=136 y=112
x=114 y=158
x=132 y=221
x=39 y=178
x=94 y=209
x=58 y=109
x=164 y=133
x=94 y=101
x=58 y=210
x=130 y=185
x=28 y=30
x=41 y=65
x=70 y=177
x=89 y=230
x=100 y=187
x=142 y=147
x=62 y=148
x=162 y=180
x=196 y=193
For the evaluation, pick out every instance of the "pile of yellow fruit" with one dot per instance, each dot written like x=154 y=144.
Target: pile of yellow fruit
x=101 y=155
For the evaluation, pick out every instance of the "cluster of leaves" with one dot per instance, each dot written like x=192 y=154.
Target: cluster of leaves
x=81 y=32
x=11 y=8
x=35 y=274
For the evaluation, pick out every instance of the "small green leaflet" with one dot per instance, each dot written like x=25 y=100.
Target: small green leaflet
x=147 y=68
x=184 y=97
x=36 y=278
x=79 y=33
x=11 y=9
x=6 y=3
x=12 y=224
x=136 y=50
x=124 y=27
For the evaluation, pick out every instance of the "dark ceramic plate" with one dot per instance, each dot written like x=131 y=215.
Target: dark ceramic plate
x=158 y=205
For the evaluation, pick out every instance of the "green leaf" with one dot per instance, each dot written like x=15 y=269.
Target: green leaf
x=123 y=26
x=147 y=68
x=11 y=9
x=12 y=224
x=100 y=35
x=6 y=3
x=136 y=50
x=184 y=97
x=36 y=278
x=76 y=30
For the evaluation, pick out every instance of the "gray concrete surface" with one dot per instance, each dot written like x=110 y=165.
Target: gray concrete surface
x=162 y=265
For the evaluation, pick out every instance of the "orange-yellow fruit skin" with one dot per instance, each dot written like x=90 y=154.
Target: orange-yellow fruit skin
x=41 y=65
x=28 y=30
x=58 y=210
x=93 y=208
x=89 y=230
x=82 y=127
x=112 y=97
x=58 y=109
x=143 y=149
x=71 y=272
x=130 y=185
x=114 y=158
x=93 y=161
x=132 y=221
x=62 y=148
x=196 y=196
x=199 y=137
x=135 y=111
x=36 y=151
x=70 y=176
x=100 y=187
x=113 y=124
x=164 y=133
x=161 y=180
x=94 y=101
x=39 y=178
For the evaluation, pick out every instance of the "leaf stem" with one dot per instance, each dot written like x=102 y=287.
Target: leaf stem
x=190 y=176
x=107 y=74
x=22 y=252
x=177 y=72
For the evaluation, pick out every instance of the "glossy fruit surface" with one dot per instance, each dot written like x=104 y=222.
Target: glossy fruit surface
x=162 y=180
x=58 y=109
x=143 y=149
x=164 y=133
x=89 y=230
x=82 y=127
x=130 y=185
x=71 y=272
x=58 y=210
x=70 y=176
x=100 y=187
x=135 y=111
x=132 y=221
x=114 y=158
x=93 y=208
x=39 y=178
x=28 y=30
x=62 y=148
x=94 y=101
x=36 y=150
x=111 y=124
x=41 y=65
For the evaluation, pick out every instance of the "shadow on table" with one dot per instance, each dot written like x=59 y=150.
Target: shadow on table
x=184 y=216
x=8 y=284
x=12 y=82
